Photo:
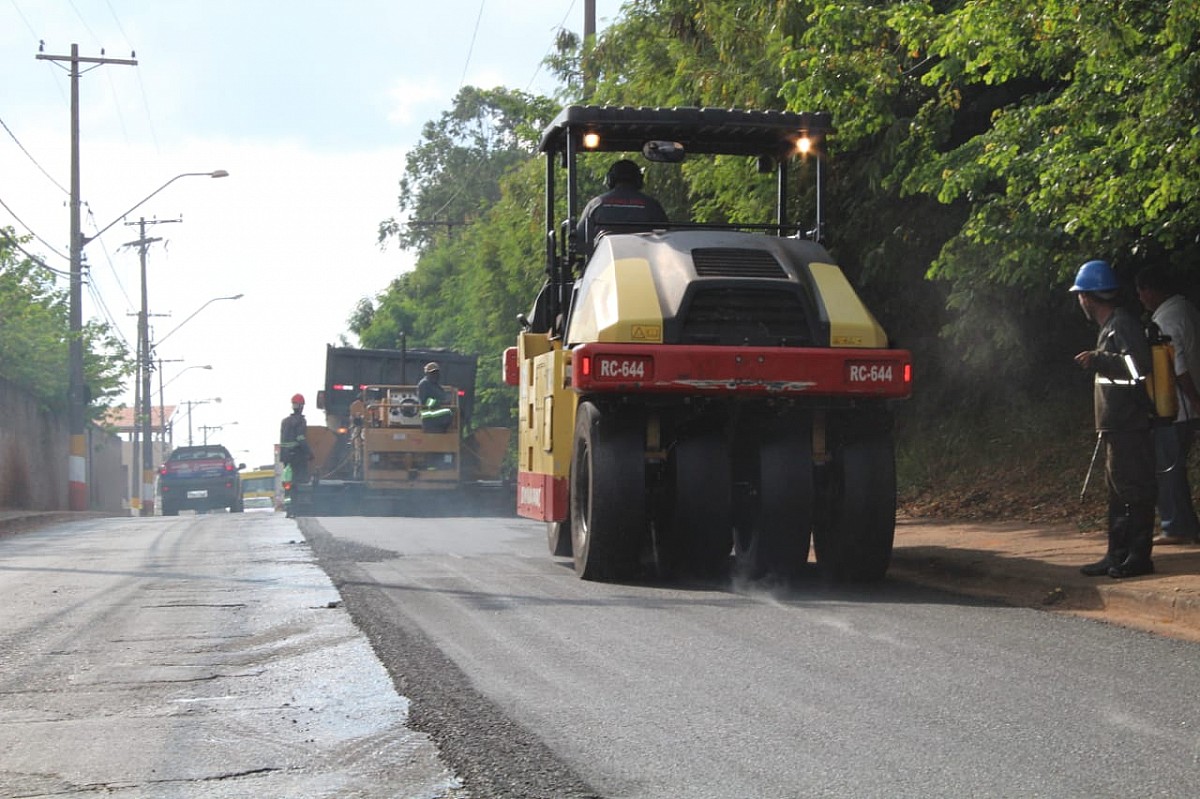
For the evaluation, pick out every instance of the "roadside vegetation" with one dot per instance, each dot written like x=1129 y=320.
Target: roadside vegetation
x=35 y=330
x=983 y=151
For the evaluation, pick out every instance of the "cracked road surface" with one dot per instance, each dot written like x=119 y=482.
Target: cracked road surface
x=193 y=656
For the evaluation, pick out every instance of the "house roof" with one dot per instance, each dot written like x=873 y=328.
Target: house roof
x=123 y=419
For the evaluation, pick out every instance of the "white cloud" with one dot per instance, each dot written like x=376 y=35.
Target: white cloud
x=413 y=101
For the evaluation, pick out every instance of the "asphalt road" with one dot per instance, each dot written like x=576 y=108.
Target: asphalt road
x=228 y=656
x=193 y=656
x=534 y=683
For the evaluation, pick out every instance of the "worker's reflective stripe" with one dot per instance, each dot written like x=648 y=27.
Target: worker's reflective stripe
x=1131 y=365
x=1110 y=381
x=435 y=413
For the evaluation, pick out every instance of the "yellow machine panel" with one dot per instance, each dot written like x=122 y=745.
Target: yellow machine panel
x=547 y=406
x=850 y=323
x=621 y=306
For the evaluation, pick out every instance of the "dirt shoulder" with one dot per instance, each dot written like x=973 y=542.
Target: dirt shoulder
x=1037 y=566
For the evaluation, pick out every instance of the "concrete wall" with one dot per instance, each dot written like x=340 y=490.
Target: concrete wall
x=34 y=444
x=106 y=473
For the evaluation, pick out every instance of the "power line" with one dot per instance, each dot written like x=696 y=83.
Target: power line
x=471 y=49
x=86 y=26
x=550 y=49
x=141 y=83
x=98 y=299
x=31 y=256
x=21 y=14
x=31 y=158
x=108 y=259
x=48 y=246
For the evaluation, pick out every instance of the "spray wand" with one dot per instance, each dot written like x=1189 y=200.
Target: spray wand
x=1091 y=466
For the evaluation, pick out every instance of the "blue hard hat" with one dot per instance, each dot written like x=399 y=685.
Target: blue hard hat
x=1096 y=276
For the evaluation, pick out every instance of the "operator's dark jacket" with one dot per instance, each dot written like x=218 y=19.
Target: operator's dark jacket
x=293 y=440
x=623 y=205
x=428 y=389
x=1121 y=401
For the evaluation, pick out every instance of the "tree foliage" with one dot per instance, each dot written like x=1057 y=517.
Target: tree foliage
x=476 y=167
x=35 y=330
x=452 y=176
x=984 y=149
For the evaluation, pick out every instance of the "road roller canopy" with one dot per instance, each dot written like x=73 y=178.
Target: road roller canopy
x=650 y=131
x=663 y=135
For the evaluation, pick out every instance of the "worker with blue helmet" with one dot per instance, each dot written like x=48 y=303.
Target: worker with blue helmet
x=1120 y=363
x=1096 y=276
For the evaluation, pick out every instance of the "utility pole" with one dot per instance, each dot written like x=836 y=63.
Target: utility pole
x=145 y=367
x=190 y=404
x=77 y=465
x=162 y=409
x=589 y=41
x=206 y=428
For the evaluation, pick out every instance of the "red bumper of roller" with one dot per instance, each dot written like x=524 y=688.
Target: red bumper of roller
x=826 y=372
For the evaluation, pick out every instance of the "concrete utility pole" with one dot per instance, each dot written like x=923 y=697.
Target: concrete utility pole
x=77 y=465
x=162 y=409
x=191 y=404
x=589 y=41
x=145 y=367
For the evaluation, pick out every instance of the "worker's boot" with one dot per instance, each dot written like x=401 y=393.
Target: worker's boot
x=1140 y=536
x=1118 y=550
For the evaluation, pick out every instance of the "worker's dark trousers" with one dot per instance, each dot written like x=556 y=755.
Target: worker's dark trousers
x=1129 y=472
x=1172 y=442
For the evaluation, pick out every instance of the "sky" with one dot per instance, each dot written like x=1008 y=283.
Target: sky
x=309 y=105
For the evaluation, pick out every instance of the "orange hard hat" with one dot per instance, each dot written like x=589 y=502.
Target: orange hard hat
x=297 y=399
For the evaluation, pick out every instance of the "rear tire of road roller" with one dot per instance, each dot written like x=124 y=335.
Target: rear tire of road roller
x=856 y=520
x=558 y=538
x=608 y=493
x=702 y=513
x=773 y=539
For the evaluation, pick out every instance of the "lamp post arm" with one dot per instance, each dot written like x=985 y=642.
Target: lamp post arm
x=193 y=314
x=218 y=173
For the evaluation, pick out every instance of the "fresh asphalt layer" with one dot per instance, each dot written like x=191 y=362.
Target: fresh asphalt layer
x=1014 y=563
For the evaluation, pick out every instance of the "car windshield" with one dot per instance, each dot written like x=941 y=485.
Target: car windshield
x=198 y=454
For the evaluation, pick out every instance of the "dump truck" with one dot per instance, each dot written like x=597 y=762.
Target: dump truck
x=374 y=456
x=696 y=397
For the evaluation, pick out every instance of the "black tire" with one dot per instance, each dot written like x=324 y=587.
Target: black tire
x=700 y=535
x=856 y=521
x=772 y=539
x=558 y=538
x=238 y=506
x=608 y=493
x=169 y=510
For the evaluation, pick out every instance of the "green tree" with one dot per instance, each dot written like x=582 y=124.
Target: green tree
x=35 y=328
x=475 y=167
x=983 y=150
x=453 y=174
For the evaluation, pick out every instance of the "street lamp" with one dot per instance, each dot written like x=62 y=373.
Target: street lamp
x=162 y=385
x=145 y=362
x=77 y=481
x=162 y=422
x=198 y=310
x=191 y=404
x=216 y=173
x=207 y=428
